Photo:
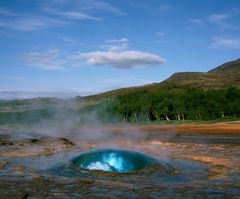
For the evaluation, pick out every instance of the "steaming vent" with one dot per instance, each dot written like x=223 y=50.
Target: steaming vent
x=113 y=160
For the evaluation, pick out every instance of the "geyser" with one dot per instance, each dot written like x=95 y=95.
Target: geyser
x=113 y=160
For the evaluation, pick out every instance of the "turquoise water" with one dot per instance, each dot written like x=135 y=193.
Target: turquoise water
x=114 y=160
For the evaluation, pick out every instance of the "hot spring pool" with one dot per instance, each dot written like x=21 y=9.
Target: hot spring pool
x=186 y=166
x=114 y=160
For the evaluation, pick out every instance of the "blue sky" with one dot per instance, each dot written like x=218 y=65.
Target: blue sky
x=90 y=46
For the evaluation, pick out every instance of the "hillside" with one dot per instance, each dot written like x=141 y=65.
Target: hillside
x=224 y=76
x=229 y=67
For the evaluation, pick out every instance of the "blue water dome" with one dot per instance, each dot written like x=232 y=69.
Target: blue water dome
x=113 y=160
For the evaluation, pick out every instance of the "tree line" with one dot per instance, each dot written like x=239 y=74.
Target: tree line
x=184 y=104
x=141 y=106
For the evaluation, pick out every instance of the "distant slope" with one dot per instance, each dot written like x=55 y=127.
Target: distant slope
x=224 y=76
x=29 y=104
x=192 y=79
x=229 y=67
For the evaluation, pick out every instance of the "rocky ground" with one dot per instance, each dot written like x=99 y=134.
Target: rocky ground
x=208 y=165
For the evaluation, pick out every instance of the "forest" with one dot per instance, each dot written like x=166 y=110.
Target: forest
x=184 y=104
x=139 y=106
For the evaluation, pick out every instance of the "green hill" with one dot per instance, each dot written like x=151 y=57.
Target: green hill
x=229 y=67
x=222 y=77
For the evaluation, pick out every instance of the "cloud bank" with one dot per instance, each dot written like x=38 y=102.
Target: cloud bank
x=123 y=59
x=117 y=56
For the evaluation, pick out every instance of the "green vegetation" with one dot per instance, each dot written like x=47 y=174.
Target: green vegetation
x=28 y=116
x=185 y=104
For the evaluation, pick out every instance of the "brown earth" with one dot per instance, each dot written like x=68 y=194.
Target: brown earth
x=220 y=127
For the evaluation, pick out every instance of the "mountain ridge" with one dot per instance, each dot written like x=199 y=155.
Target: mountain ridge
x=231 y=66
x=224 y=76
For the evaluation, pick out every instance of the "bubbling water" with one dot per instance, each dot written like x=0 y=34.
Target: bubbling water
x=113 y=160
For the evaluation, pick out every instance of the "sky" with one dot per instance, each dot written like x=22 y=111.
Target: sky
x=92 y=46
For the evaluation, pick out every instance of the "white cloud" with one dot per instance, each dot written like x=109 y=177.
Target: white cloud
x=116 y=45
x=79 y=10
x=221 y=20
x=225 y=43
x=28 y=21
x=118 y=56
x=96 y=5
x=46 y=61
x=24 y=24
x=122 y=40
x=116 y=48
x=70 y=15
x=120 y=59
x=55 y=14
x=218 y=18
